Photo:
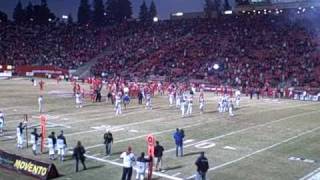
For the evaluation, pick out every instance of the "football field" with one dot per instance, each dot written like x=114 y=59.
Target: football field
x=266 y=139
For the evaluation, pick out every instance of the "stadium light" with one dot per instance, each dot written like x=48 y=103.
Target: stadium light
x=228 y=12
x=105 y=14
x=155 y=19
x=243 y=12
x=216 y=66
x=178 y=14
x=49 y=19
x=65 y=17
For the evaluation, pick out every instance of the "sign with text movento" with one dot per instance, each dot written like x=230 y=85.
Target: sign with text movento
x=27 y=166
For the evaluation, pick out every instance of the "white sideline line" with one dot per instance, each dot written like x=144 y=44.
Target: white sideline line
x=121 y=165
x=310 y=174
x=261 y=150
x=176 y=174
x=243 y=130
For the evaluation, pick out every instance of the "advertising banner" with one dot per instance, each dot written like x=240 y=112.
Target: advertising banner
x=27 y=166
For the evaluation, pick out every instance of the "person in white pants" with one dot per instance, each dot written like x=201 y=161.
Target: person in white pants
x=237 y=94
x=78 y=100
x=35 y=141
x=171 y=98
x=40 y=104
x=61 y=146
x=141 y=165
x=201 y=103
x=230 y=106
x=148 y=101
x=20 y=136
x=1 y=123
x=118 y=104
x=178 y=99
x=190 y=103
x=183 y=106
x=52 y=141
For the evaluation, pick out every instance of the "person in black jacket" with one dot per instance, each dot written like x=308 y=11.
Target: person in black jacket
x=140 y=97
x=202 y=167
x=78 y=154
x=108 y=140
x=158 y=152
x=98 y=95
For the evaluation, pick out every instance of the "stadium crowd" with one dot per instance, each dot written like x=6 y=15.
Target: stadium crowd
x=256 y=50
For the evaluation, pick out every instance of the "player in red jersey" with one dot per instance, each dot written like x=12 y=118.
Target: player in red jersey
x=41 y=84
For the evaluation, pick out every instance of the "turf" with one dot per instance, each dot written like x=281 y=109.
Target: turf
x=264 y=133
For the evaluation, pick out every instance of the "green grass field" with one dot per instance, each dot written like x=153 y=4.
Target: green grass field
x=255 y=144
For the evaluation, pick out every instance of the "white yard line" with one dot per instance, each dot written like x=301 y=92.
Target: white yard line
x=308 y=176
x=261 y=150
x=159 y=174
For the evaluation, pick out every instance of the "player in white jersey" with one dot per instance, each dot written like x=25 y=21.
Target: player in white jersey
x=40 y=104
x=118 y=104
x=230 y=108
x=78 y=100
x=224 y=104
x=35 y=141
x=171 y=98
x=61 y=146
x=126 y=90
x=1 y=123
x=220 y=106
x=178 y=99
x=148 y=101
x=201 y=103
x=52 y=142
x=237 y=94
x=183 y=101
x=190 y=103
x=20 y=134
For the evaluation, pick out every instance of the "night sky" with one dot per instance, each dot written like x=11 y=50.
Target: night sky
x=60 y=7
